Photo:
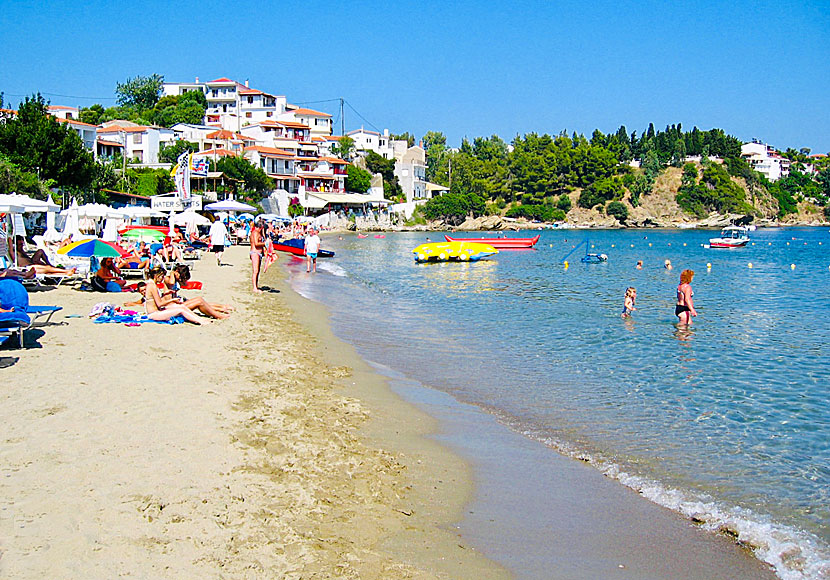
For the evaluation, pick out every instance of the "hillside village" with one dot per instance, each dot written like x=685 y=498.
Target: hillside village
x=297 y=148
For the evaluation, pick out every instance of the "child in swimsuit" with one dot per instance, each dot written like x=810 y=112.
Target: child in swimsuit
x=628 y=303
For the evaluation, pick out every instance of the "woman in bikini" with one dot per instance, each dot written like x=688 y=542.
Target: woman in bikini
x=257 y=249
x=685 y=308
x=153 y=306
x=177 y=278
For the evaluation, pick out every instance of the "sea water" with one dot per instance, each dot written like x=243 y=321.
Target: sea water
x=726 y=421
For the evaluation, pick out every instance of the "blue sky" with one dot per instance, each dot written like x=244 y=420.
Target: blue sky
x=755 y=69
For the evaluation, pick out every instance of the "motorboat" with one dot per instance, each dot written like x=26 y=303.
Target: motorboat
x=500 y=243
x=730 y=237
x=297 y=247
x=453 y=252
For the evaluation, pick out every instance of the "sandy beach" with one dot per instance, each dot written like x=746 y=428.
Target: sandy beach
x=246 y=448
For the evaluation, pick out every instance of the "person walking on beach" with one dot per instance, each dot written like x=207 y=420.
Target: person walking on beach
x=257 y=248
x=312 y=246
x=218 y=238
x=685 y=308
x=629 y=301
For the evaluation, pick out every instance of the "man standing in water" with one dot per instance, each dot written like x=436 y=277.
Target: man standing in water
x=685 y=308
x=257 y=248
x=312 y=246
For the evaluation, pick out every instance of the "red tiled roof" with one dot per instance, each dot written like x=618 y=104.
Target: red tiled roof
x=315 y=176
x=228 y=135
x=334 y=160
x=118 y=129
x=222 y=80
x=74 y=122
x=293 y=125
x=216 y=153
x=270 y=151
x=110 y=143
x=61 y=108
x=309 y=112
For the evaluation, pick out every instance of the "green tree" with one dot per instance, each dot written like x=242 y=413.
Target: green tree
x=37 y=143
x=139 y=92
x=344 y=148
x=170 y=153
x=15 y=180
x=357 y=179
x=386 y=167
x=435 y=145
x=94 y=114
x=186 y=108
x=454 y=207
x=600 y=191
x=239 y=170
x=409 y=138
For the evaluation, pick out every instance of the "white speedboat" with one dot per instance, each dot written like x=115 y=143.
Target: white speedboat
x=730 y=237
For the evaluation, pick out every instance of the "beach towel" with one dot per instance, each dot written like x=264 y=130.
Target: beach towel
x=134 y=319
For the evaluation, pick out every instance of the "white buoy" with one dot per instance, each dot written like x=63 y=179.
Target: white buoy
x=792 y=266
x=649 y=244
x=708 y=266
x=749 y=265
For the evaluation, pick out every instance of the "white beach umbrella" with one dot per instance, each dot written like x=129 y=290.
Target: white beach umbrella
x=229 y=205
x=98 y=210
x=110 y=233
x=71 y=226
x=189 y=219
x=29 y=204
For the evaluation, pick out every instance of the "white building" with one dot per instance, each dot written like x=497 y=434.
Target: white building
x=319 y=123
x=232 y=105
x=141 y=143
x=88 y=133
x=764 y=159
x=373 y=141
x=411 y=171
x=279 y=164
x=63 y=112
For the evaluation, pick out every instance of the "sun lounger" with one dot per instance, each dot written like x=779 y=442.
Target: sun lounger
x=13 y=295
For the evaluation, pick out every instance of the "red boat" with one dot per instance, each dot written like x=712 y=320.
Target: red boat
x=297 y=247
x=499 y=243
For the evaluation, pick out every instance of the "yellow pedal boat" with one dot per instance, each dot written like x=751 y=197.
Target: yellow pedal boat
x=453 y=252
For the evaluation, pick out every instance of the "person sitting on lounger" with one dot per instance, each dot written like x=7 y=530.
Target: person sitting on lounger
x=178 y=277
x=108 y=277
x=136 y=259
x=153 y=306
x=38 y=261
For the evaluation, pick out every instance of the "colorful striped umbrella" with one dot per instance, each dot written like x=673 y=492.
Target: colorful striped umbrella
x=94 y=247
x=144 y=235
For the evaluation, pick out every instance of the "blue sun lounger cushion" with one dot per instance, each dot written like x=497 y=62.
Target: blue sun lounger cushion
x=13 y=295
x=10 y=299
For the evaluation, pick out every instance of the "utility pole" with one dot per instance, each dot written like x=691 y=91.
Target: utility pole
x=342 y=120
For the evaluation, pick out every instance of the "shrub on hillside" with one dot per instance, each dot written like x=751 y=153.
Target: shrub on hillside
x=600 y=191
x=537 y=212
x=618 y=211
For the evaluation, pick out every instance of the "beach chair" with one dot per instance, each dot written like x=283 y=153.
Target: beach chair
x=14 y=296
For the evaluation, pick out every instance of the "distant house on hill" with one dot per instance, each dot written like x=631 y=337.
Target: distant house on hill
x=765 y=160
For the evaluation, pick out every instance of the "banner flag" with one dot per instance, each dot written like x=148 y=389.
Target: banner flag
x=183 y=176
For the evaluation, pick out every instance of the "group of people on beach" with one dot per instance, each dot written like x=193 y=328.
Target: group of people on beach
x=684 y=307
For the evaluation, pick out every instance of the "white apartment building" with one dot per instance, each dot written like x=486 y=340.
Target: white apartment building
x=373 y=141
x=193 y=133
x=63 y=112
x=319 y=123
x=88 y=133
x=764 y=159
x=279 y=164
x=141 y=143
x=232 y=105
x=411 y=171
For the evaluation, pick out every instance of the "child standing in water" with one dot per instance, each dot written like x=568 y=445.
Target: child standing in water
x=630 y=299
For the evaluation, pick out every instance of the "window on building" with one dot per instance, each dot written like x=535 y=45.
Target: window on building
x=137 y=138
x=268 y=113
x=250 y=100
x=224 y=108
x=249 y=114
